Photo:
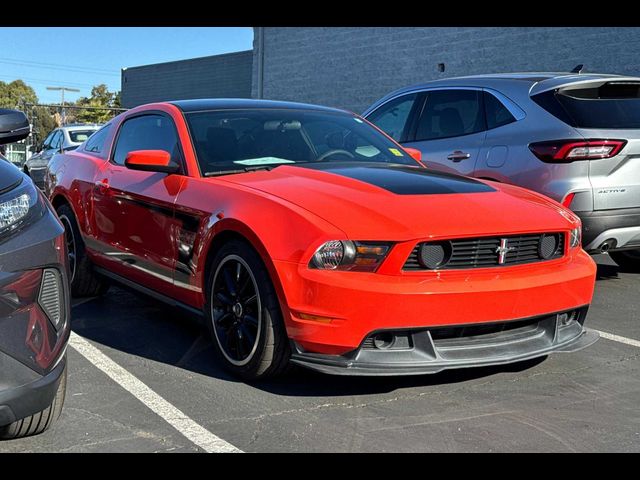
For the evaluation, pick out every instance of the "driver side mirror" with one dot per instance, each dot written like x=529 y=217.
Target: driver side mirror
x=14 y=126
x=414 y=153
x=151 y=161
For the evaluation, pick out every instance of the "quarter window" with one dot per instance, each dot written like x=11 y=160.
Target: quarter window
x=148 y=132
x=392 y=117
x=57 y=140
x=47 y=141
x=96 y=142
x=450 y=113
x=497 y=114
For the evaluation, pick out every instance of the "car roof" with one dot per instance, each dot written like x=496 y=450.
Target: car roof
x=533 y=82
x=246 y=103
x=81 y=126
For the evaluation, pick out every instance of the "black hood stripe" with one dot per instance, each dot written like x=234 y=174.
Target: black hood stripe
x=402 y=179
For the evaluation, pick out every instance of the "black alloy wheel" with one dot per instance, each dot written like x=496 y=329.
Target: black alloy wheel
x=236 y=310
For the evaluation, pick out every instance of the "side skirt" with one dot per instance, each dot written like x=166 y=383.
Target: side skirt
x=149 y=292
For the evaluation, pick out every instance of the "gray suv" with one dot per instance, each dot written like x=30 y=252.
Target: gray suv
x=572 y=137
x=59 y=140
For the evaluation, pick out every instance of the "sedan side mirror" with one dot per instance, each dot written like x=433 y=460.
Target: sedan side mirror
x=414 y=153
x=14 y=126
x=151 y=161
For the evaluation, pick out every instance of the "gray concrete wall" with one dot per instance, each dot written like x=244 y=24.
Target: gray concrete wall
x=352 y=67
x=227 y=75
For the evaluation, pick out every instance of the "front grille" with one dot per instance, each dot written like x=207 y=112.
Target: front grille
x=485 y=332
x=484 y=252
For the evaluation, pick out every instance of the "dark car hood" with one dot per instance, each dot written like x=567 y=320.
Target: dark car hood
x=367 y=201
x=10 y=176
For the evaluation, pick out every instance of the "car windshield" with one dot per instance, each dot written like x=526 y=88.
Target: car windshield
x=235 y=140
x=79 y=136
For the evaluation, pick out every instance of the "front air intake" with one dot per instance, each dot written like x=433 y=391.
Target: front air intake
x=50 y=297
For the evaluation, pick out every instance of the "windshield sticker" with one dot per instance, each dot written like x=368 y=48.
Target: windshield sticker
x=396 y=152
x=367 y=151
x=263 y=161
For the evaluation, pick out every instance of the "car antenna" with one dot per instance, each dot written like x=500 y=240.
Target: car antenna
x=578 y=68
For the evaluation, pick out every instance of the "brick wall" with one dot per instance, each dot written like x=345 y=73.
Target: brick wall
x=227 y=75
x=352 y=67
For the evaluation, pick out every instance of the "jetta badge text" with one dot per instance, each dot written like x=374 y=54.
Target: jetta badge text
x=503 y=249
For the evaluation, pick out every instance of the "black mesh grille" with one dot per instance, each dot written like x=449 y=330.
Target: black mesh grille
x=484 y=251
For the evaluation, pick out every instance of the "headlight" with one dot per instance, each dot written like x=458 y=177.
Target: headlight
x=575 y=237
x=18 y=206
x=348 y=255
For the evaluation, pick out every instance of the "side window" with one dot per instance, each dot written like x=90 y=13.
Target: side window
x=95 y=144
x=392 y=116
x=497 y=114
x=451 y=113
x=147 y=132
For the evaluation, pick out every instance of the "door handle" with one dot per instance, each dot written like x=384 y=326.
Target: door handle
x=102 y=185
x=458 y=156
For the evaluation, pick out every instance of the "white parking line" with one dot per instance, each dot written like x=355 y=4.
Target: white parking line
x=618 y=338
x=193 y=431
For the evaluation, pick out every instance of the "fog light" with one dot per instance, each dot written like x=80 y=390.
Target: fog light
x=382 y=341
x=567 y=318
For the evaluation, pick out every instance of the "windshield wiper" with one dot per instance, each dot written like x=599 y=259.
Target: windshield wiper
x=240 y=170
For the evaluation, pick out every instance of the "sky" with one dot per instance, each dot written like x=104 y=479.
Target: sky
x=81 y=57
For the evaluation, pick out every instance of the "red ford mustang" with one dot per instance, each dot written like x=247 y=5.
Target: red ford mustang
x=304 y=234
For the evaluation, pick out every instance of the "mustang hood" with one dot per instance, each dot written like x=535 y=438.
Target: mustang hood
x=377 y=201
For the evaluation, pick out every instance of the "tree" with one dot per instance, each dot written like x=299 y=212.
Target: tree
x=18 y=94
x=15 y=94
x=100 y=97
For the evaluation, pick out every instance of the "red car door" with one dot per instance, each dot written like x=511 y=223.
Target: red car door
x=135 y=225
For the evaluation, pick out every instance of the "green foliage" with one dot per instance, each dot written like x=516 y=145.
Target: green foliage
x=15 y=94
x=100 y=97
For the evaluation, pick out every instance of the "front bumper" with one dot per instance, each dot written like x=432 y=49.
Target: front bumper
x=331 y=312
x=20 y=401
x=427 y=351
x=32 y=349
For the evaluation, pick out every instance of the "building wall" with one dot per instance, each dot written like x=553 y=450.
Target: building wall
x=352 y=67
x=227 y=76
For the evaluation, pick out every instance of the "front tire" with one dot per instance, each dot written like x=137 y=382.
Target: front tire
x=41 y=421
x=629 y=260
x=84 y=281
x=243 y=314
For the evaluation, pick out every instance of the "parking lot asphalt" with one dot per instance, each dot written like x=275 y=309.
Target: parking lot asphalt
x=586 y=401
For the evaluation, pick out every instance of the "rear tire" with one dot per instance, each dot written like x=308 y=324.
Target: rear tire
x=84 y=281
x=41 y=421
x=628 y=260
x=243 y=314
